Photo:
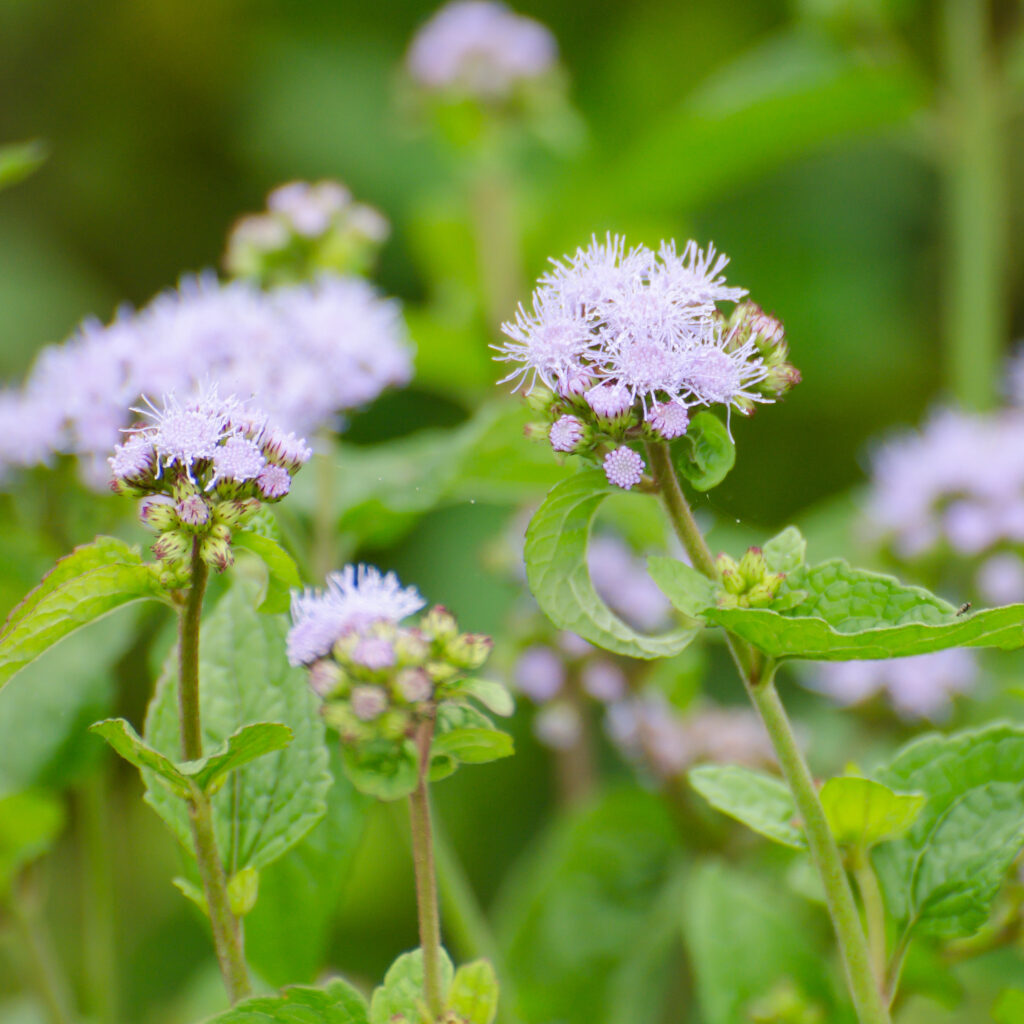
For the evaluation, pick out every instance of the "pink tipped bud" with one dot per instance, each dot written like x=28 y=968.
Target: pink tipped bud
x=172 y=545
x=440 y=624
x=274 y=482
x=469 y=651
x=193 y=512
x=216 y=553
x=325 y=677
x=234 y=513
x=286 y=450
x=157 y=512
x=368 y=702
x=414 y=685
x=566 y=434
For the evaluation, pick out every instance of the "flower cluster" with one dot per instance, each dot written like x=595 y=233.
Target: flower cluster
x=481 y=49
x=919 y=687
x=620 y=344
x=748 y=583
x=378 y=678
x=204 y=465
x=309 y=352
x=306 y=230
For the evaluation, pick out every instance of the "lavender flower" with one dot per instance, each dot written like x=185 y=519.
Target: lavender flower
x=623 y=467
x=566 y=434
x=480 y=48
x=668 y=420
x=921 y=686
x=621 y=580
x=539 y=673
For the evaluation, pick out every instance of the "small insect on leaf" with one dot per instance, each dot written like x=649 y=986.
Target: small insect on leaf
x=964 y=608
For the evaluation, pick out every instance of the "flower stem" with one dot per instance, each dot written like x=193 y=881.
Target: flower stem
x=51 y=985
x=874 y=909
x=975 y=186
x=426 y=879
x=757 y=675
x=227 y=934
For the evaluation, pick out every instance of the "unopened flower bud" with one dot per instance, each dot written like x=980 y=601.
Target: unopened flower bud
x=414 y=685
x=536 y=431
x=273 y=482
x=221 y=531
x=157 y=512
x=171 y=545
x=753 y=567
x=540 y=399
x=368 y=702
x=441 y=672
x=762 y=594
x=439 y=624
x=193 y=512
x=411 y=647
x=285 y=450
x=779 y=380
x=469 y=651
x=374 y=653
x=609 y=401
x=567 y=434
x=173 y=574
x=216 y=552
x=729 y=571
x=326 y=677
x=234 y=513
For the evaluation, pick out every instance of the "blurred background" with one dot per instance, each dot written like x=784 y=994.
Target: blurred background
x=857 y=160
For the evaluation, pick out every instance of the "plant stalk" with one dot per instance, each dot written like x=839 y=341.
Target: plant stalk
x=874 y=909
x=227 y=934
x=757 y=675
x=50 y=983
x=426 y=877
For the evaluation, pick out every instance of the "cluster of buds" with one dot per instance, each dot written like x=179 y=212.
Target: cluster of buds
x=203 y=468
x=306 y=230
x=381 y=681
x=748 y=583
x=747 y=323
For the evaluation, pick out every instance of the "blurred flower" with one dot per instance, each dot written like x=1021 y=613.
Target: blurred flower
x=480 y=48
x=621 y=580
x=558 y=725
x=539 y=673
x=921 y=686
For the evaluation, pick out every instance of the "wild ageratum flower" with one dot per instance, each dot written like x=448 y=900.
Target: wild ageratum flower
x=480 y=48
x=624 y=468
x=566 y=434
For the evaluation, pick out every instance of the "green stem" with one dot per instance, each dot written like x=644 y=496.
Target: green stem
x=497 y=240
x=50 y=984
x=426 y=879
x=976 y=207
x=874 y=909
x=757 y=676
x=99 y=901
x=227 y=933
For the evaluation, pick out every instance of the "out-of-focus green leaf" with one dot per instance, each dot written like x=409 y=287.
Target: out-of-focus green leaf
x=382 y=769
x=287 y=933
x=942 y=876
x=761 y=802
x=88 y=584
x=18 y=161
x=494 y=696
x=582 y=901
x=401 y=994
x=282 y=572
x=473 y=996
x=745 y=938
x=1010 y=1007
x=705 y=454
x=863 y=813
x=556 y=567
x=336 y=1003
x=30 y=821
x=245 y=678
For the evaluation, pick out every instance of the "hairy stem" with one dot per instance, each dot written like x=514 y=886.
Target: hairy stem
x=874 y=909
x=227 y=933
x=757 y=677
x=976 y=216
x=50 y=984
x=426 y=878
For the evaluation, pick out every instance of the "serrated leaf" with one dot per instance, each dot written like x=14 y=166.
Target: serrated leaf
x=241 y=747
x=473 y=996
x=130 y=745
x=556 y=568
x=86 y=585
x=30 y=822
x=759 y=801
x=862 y=812
x=401 y=994
x=336 y=1003
x=705 y=454
x=382 y=769
x=288 y=933
x=1009 y=1008
x=245 y=677
x=845 y=614
x=474 y=746
x=494 y=696
x=282 y=572
x=943 y=875
x=786 y=551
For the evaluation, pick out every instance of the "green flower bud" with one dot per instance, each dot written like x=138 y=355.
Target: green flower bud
x=411 y=647
x=172 y=545
x=439 y=624
x=753 y=567
x=536 y=431
x=234 y=513
x=469 y=650
x=243 y=888
x=216 y=552
x=327 y=678
x=414 y=685
x=157 y=512
x=441 y=672
x=541 y=399
x=762 y=595
x=368 y=702
x=730 y=573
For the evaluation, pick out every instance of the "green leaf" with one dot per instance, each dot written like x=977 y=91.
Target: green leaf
x=86 y=585
x=862 y=812
x=288 y=933
x=786 y=551
x=494 y=696
x=759 y=801
x=556 y=568
x=336 y=1003
x=705 y=454
x=1009 y=1008
x=690 y=591
x=745 y=938
x=401 y=995
x=842 y=614
x=943 y=875
x=474 y=746
x=130 y=745
x=241 y=747
x=583 y=902
x=282 y=572
x=19 y=160
x=243 y=888
x=382 y=768
x=30 y=822
x=245 y=678
x=473 y=996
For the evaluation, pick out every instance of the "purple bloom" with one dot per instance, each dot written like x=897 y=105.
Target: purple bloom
x=237 y=459
x=565 y=434
x=1001 y=578
x=274 y=482
x=309 y=209
x=374 y=652
x=193 y=511
x=609 y=400
x=133 y=460
x=539 y=673
x=558 y=726
x=623 y=467
x=621 y=580
x=668 y=420
x=481 y=48
x=604 y=680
